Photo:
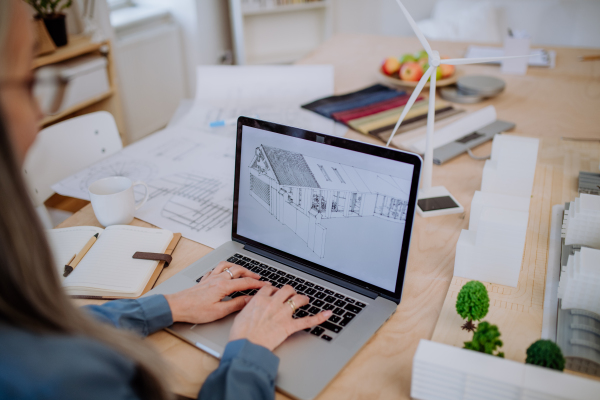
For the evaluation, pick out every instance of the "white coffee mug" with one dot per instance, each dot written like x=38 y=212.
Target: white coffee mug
x=113 y=200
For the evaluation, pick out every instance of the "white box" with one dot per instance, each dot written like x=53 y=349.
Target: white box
x=75 y=81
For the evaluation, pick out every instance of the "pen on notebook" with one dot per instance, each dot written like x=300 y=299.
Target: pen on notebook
x=76 y=259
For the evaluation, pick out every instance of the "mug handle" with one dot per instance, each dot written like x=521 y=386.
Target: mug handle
x=142 y=202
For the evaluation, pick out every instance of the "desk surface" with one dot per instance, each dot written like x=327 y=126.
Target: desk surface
x=549 y=104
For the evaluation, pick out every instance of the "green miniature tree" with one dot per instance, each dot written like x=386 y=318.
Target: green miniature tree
x=472 y=303
x=545 y=353
x=485 y=339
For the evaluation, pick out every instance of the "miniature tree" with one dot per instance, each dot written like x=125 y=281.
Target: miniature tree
x=545 y=353
x=485 y=339
x=472 y=303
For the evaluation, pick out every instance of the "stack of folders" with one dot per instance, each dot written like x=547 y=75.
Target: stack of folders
x=375 y=110
x=583 y=221
x=579 y=285
x=107 y=268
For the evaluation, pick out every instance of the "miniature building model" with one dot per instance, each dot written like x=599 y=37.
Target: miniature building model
x=579 y=285
x=583 y=221
x=492 y=249
x=578 y=336
x=301 y=191
x=441 y=371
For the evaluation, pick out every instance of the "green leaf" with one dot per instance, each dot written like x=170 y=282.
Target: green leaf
x=473 y=301
x=485 y=339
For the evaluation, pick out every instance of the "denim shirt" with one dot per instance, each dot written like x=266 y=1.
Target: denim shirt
x=53 y=366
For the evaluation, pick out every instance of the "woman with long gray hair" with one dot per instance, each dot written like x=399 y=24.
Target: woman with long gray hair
x=51 y=349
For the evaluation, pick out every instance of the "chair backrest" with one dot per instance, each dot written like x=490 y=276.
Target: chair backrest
x=67 y=147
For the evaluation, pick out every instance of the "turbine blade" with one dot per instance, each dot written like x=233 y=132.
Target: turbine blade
x=462 y=61
x=410 y=102
x=415 y=28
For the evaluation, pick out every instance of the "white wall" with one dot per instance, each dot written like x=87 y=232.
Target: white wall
x=206 y=33
x=379 y=17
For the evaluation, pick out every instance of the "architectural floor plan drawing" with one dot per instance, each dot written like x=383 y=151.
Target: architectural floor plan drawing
x=302 y=191
x=192 y=201
x=189 y=174
x=136 y=170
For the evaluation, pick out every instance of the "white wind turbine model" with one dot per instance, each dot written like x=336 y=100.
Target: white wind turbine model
x=433 y=201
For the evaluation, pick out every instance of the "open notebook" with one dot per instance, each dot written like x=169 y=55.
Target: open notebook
x=108 y=268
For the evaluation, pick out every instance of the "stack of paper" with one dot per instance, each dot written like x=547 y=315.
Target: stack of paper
x=492 y=249
x=583 y=222
x=579 y=285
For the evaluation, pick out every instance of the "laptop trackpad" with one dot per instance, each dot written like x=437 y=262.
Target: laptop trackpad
x=217 y=332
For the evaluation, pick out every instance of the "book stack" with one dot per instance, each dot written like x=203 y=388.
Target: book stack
x=582 y=225
x=375 y=110
x=579 y=285
x=491 y=250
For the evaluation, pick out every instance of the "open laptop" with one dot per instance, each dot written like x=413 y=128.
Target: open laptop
x=331 y=217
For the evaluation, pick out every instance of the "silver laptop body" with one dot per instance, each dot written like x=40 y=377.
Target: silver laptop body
x=307 y=211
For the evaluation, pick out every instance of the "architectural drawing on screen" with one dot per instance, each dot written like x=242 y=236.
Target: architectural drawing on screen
x=302 y=191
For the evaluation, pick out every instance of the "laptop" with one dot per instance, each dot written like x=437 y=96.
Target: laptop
x=331 y=217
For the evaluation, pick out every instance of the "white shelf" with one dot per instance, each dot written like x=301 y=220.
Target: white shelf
x=281 y=58
x=278 y=34
x=284 y=8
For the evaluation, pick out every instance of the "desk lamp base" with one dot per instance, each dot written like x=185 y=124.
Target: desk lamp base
x=437 y=201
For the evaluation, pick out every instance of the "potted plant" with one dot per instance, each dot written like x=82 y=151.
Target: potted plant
x=51 y=12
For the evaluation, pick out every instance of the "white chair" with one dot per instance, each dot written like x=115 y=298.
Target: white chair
x=64 y=149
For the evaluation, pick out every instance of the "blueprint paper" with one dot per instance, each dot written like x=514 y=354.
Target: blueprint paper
x=190 y=177
x=270 y=93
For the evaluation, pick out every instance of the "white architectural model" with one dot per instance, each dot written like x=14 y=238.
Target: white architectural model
x=300 y=191
x=579 y=285
x=511 y=169
x=428 y=192
x=492 y=249
x=583 y=221
x=441 y=371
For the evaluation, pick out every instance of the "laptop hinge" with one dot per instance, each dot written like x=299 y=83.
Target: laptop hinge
x=337 y=281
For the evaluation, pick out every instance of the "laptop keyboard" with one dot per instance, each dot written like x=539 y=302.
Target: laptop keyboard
x=321 y=298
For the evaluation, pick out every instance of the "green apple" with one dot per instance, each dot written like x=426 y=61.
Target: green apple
x=420 y=54
x=407 y=57
x=438 y=72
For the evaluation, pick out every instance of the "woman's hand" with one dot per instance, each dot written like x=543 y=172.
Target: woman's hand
x=267 y=319
x=202 y=302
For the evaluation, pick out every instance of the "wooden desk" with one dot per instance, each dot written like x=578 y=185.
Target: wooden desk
x=545 y=103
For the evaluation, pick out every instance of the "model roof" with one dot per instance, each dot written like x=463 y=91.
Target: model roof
x=290 y=168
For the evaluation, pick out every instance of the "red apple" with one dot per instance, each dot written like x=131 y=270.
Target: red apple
x=411 y=71
x=390 y=66
x=447 y=70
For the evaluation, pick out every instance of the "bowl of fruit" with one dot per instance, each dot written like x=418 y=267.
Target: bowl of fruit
x=409 y=68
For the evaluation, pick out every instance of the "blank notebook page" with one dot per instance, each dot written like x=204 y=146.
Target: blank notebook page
x=109 y=265
x=66 y=242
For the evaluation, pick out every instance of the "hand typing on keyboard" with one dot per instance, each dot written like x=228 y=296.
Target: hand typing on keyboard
x=202 y=302
x=267 y=318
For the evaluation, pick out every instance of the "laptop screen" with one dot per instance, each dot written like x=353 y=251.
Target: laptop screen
x=340 y=209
